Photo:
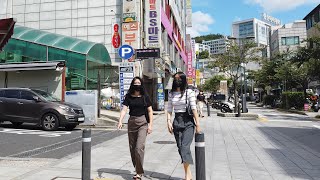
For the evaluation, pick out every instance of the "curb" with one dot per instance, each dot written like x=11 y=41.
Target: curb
x=235 y=115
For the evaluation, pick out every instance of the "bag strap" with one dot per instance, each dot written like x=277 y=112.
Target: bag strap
x=144 y=101
x=186 y=100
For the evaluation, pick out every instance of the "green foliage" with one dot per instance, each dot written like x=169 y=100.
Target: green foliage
x=204 y=55
x=213 y=84
x=208 y=37
x=292 y=99
x=269 y=100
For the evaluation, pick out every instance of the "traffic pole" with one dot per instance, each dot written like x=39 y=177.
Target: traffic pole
x=200 y=156
x=208 y=108
x=86 y=154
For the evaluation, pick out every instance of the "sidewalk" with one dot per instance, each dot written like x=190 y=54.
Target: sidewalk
x=235 y=149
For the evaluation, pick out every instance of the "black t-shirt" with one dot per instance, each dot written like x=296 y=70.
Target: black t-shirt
x=201 y=98
x=136 y=104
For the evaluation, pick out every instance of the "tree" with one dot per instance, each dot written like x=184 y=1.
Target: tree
x=204 y=55
x=208 y=37
x=231 y=62
x=213 y=84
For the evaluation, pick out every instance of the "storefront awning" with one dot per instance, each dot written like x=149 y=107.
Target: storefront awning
x=31 y=66
x=6 y=31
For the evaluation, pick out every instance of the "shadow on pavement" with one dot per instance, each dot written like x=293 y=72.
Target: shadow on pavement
x=296 y=160
x=126 y=174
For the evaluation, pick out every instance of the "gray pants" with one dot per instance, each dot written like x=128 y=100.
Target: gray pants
x=183 y=129
x=137 y=133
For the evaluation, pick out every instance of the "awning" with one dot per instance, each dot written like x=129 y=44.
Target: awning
x=6 y=31
x=32 y=66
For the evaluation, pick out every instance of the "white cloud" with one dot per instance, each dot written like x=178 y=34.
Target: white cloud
x=200 y=23
x=280 y=5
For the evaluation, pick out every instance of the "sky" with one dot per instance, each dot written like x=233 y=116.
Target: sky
x=216 y=16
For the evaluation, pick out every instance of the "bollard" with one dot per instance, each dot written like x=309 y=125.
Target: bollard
x=200 y=156
x=208 y=108
x=86 y=154
x=239 y=110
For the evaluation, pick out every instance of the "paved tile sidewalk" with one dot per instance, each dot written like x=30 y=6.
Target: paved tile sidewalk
x=235 y=149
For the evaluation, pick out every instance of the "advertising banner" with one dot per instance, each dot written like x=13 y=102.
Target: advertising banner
x=153 y=23
x=189 y=68
x=130 y=32
x=160 y=93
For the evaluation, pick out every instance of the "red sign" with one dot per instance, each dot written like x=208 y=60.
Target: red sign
x=116 y=36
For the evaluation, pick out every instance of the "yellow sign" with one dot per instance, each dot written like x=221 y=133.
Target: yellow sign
x=190 y=80
x=198 y=77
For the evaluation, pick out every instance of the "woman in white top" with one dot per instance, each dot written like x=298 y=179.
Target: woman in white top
x=184 y=124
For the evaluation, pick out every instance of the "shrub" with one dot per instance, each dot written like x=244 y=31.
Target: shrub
x=269 y=100
x=292 y=99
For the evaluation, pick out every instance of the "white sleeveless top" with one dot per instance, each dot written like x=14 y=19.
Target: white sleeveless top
x=178 y=103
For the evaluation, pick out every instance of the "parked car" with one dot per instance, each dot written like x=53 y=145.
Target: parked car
x=24 y=105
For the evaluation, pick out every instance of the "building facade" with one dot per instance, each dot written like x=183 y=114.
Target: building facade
x=288 y=38
x=141 y=24
x=217 y=46
x=312 y=19
x=254 y=29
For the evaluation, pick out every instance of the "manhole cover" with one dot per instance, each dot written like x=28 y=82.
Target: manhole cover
x=164 y=142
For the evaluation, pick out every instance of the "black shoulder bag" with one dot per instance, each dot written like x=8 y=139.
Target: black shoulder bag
x=188 y=106
x=146 y=109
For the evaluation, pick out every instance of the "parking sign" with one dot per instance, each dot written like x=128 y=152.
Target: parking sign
x=126 y=51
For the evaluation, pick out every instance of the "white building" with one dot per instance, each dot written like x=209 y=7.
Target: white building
x=289 y=37
x=217 y=46
x=253 y=29
x=199 y=47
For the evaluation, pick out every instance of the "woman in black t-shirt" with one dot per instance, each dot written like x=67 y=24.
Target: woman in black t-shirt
x=138 y=127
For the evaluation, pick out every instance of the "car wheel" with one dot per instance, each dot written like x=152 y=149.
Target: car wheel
x=16 y=124
x=50 y=122
x=70 y=127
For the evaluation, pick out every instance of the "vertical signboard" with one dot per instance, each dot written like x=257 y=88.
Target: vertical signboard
x=198 y=77
x=189 y=68
x=126 y=74
x=152 y=23
x=193 y=47
x=189 y=13
x=130 y=33
x=160 y=95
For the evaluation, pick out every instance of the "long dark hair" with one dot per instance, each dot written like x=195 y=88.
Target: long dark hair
x=131 y=90
x=183 y=87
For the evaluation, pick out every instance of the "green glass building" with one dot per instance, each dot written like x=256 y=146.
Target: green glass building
x=83 y=59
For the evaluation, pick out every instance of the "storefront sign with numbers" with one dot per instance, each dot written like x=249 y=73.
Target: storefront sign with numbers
x=126 y=74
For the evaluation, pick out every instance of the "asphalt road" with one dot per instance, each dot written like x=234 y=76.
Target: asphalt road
x=301 y=128
x=29 y=141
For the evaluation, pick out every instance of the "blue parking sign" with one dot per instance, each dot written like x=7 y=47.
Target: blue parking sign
x=126 y=51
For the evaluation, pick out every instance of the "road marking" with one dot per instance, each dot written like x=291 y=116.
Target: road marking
x=262 y=118
x=290 y=121
x=316 y=126
x=34 y=132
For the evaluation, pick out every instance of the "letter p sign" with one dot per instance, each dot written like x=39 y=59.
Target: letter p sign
x=126 y=51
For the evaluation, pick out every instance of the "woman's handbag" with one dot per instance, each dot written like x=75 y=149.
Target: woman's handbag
x=146 y=109
x=188 y=106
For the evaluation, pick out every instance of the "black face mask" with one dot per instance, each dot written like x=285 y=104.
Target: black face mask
x=137 y=87
x=177 y=83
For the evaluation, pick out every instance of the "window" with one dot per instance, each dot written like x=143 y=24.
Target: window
x=293 y=40
x=27 y=95
x=14 y=94
x=1 y=93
